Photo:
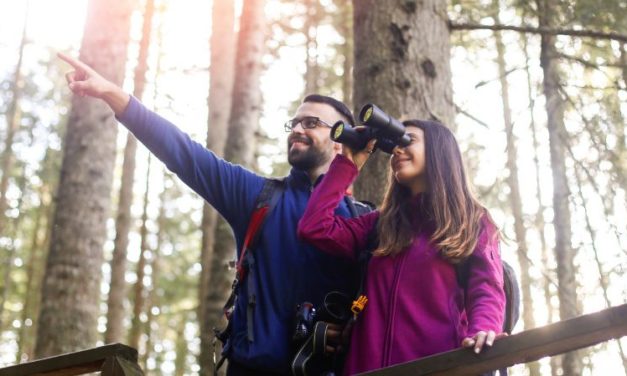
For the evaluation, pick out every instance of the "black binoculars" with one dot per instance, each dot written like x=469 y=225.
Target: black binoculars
x=388 y=131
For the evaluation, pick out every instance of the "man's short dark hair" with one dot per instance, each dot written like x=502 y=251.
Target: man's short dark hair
x=337 y=105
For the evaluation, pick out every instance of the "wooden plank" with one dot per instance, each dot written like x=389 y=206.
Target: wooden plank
x=524 y=347
x=75 y=363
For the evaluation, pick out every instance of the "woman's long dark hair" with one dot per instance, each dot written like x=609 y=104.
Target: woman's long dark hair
x=448 y=202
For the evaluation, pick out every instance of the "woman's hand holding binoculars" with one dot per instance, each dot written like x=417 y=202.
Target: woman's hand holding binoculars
x=359 y=157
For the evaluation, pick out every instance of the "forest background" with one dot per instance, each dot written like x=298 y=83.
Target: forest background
x=100 y=244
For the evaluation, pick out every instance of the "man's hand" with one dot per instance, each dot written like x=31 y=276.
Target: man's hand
x=85 y=81
x=480 y=339
x=359 y=157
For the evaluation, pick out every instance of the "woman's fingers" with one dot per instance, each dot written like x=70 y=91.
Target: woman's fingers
x=490 y=338
x=468 y=342
x=480 y=339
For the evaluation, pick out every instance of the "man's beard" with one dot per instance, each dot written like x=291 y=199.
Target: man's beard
x=307 y=159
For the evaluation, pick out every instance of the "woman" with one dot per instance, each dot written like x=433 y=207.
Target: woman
x=428 y=223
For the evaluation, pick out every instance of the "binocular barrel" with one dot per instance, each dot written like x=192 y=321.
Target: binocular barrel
x=344 y=133
x=372 y=116
x=388 y=131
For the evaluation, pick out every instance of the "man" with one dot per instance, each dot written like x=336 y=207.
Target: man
x=286 y=272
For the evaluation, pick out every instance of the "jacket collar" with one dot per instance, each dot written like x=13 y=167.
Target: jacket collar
x=300 y=179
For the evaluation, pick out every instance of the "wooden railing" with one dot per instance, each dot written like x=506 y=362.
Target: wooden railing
x=530 y=345
x=524 y=347
x=111 y=360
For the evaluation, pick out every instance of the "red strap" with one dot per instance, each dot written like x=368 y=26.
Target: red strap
x=256 y=220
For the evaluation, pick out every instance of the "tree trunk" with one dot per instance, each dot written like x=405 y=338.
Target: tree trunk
x=180 y=347
x=514 y=186
x=539 y=217
x=71 y=288
x=31 y=264
x=39 y=273
x=404 y=68
x=139 y=292
x=240 y=146
x=310 y=30
x=153 y=296
x=346 y=29
x=35 y=264
x=7 y=285
x=246 y=105
x=564 y=252
x=117 y=287
x=13 y=119
x=219 y=102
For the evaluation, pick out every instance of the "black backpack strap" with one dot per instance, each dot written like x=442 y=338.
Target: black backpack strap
x=512 y=292
x=512 y=296
x=264 y=203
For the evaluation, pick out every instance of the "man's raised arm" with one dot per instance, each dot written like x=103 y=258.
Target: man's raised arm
x=85 y=81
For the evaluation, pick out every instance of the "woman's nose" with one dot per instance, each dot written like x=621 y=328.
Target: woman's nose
x=397 y=150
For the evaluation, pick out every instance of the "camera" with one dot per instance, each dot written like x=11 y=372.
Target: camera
x=388 y=131
x=305 y=320
x=335 y=309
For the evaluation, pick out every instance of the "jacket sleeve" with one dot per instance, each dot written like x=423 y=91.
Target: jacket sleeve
x=228 y=188
x=326 y=231
x=485 y=303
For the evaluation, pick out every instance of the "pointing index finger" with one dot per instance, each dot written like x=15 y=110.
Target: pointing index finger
x=73 y=62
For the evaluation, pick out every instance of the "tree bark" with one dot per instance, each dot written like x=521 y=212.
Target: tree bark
x=117 y=287
x=404 y=68
x=71 y=288
x=564 y=252
x=219 y=102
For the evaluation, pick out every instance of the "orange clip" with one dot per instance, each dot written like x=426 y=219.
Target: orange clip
x=358 y=305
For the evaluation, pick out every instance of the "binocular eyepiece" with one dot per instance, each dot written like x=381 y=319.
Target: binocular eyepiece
x=388 y=131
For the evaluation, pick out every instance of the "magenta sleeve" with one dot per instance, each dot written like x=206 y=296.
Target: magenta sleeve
x=485 y=303
x=331 y=233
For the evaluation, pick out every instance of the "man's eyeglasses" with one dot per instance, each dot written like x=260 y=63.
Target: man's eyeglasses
x=307 y=122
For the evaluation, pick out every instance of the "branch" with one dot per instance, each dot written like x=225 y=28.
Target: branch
x=470 y=116
x=589 y=64
x=540 y=30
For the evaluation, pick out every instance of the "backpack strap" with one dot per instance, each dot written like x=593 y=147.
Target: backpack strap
x=512 y=292
x=512 y=296
x=264 y=203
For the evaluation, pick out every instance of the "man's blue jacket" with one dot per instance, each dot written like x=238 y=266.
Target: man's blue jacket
x=287 y=271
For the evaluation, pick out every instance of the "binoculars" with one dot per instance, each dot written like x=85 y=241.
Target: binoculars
x=388 y=131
